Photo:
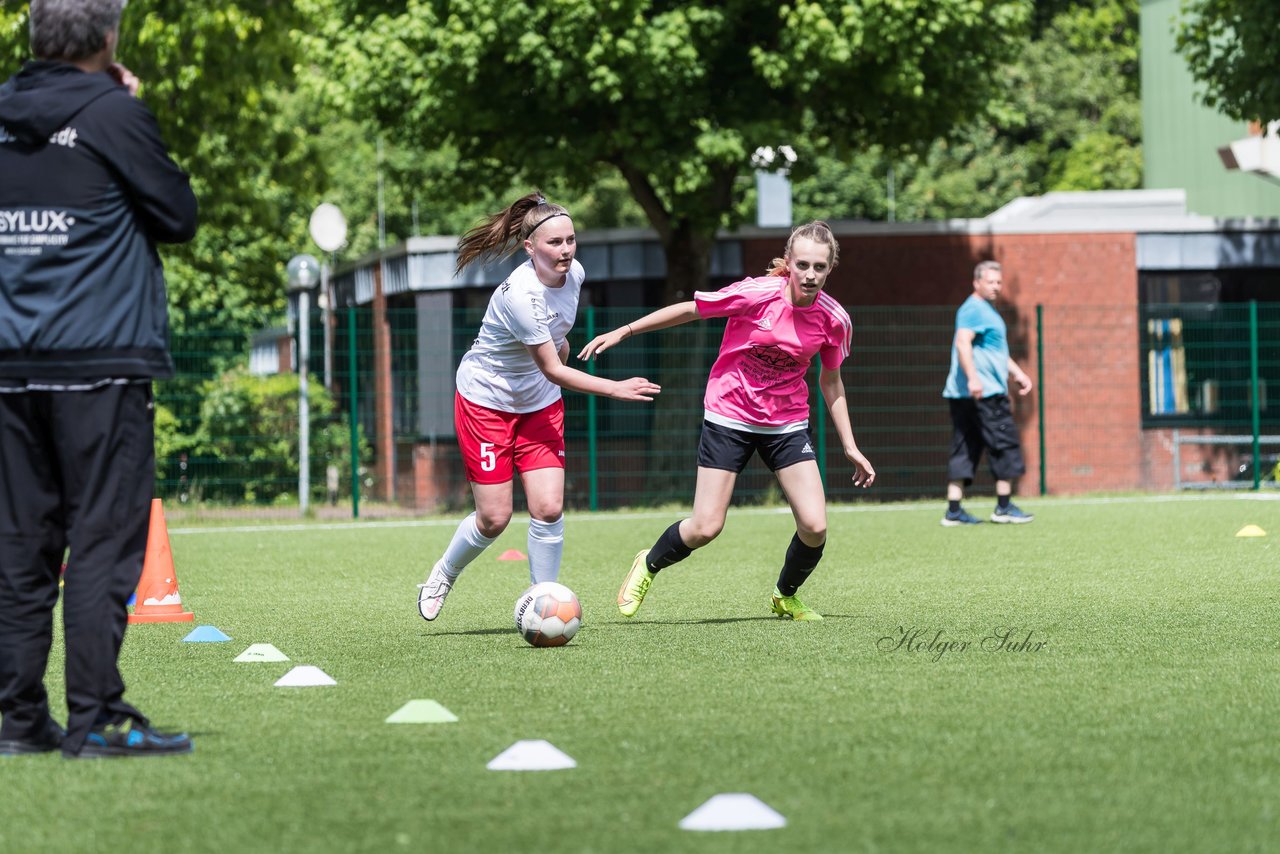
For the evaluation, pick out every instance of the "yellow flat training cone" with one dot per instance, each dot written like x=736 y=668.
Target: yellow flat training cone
x=1251 y=531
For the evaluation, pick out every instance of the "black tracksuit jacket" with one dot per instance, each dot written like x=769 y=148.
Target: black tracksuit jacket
x=86 y=191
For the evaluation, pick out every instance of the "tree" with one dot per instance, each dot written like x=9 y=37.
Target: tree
x=420 y=195
x=212 y=74
x=1231 y=47
x=1065 y=117
x=672 y=96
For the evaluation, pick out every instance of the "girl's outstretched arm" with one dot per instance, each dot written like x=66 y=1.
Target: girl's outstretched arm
x=664 y=318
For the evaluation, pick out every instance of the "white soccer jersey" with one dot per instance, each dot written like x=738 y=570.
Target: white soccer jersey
x=498 y=371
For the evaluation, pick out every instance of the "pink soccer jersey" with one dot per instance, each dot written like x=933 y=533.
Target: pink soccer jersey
x=759 y=376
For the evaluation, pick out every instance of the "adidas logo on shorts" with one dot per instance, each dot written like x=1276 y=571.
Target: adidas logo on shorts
x=807 y=449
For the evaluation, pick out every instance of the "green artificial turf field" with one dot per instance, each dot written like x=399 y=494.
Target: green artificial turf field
x=1134 y=705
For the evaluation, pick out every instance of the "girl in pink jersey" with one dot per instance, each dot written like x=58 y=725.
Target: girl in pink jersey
x=508 y=410
x=757 y=400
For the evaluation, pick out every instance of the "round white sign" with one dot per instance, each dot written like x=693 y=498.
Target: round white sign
x=328 y=227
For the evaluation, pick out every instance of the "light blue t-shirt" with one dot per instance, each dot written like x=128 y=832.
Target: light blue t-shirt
x=990 y=350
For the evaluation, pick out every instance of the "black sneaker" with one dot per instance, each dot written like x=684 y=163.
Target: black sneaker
x=956 y=518
x=49 y=740
x=1010 y=515
x=131 y=738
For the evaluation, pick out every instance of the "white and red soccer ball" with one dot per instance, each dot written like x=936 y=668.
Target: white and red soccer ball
x=548 y=614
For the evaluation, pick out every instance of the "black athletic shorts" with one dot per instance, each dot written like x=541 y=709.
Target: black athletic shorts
x=729 y=449
x=984 y=424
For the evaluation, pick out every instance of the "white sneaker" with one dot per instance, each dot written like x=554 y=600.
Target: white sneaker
x=431 y=595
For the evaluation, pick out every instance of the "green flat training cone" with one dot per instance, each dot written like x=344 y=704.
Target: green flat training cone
x=1251 y=531
x=422 y=712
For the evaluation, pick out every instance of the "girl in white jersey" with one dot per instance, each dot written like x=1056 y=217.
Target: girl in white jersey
x=507 y=409
x=757 y=399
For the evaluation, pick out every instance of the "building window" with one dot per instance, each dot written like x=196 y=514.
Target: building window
x=1194 y=334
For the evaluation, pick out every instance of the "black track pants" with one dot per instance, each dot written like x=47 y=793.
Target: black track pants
x=77 y=470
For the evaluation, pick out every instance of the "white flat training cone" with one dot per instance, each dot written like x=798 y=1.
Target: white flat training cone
x=422 y=712
x=262 y=652
x=305 y=676
x=535 y=755
x=733 y=811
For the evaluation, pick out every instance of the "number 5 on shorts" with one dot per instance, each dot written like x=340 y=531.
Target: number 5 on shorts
x=488 y=460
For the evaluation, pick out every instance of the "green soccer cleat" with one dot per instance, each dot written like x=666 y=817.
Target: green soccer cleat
x=791 y=608
x=635 y=586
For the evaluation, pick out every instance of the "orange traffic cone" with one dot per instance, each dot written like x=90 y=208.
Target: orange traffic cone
x=158 y=599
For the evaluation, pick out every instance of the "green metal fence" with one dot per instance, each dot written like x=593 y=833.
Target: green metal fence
x=1127 y=398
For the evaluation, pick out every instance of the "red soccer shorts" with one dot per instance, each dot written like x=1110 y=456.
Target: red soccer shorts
x=496 y=444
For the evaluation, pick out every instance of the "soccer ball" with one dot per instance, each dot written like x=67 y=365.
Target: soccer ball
x=548 y=614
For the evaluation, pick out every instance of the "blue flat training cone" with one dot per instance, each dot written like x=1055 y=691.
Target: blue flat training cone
x=205 y=634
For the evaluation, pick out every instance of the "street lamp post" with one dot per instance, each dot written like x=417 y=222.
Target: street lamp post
x=326 y=320
x=328 y=229
x=304 y=274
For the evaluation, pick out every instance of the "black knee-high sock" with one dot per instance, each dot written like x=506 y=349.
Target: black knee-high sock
x=801 y=560
x=669 y=549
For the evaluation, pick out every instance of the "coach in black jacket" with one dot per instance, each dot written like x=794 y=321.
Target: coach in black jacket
x=86 y=191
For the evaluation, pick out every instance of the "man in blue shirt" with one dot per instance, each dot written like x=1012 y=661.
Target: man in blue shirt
x=977 y=391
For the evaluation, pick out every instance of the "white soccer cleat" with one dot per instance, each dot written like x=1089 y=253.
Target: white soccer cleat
x=432 y=593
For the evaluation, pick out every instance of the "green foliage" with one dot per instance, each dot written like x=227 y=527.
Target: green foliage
x=1066 y=117
x=1231 y=48
x=421 y=192
x=252 y=422
x=1100 y=161
x=968 y=174
x=13 y=35
x=212 y=73
x=674 y=97
x=171 y=442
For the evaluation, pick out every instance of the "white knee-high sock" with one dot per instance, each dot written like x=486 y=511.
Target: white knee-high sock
x=466 y=546
x=546 y=545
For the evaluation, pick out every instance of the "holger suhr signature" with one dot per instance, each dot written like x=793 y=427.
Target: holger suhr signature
x=936 y=643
